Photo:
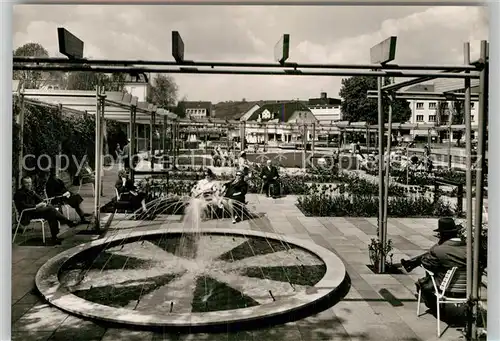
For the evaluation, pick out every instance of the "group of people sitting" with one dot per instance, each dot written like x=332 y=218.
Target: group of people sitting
x=31 y=205
x=230 y=195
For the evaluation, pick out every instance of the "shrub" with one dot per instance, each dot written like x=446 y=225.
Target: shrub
x=49 y=132
x=324 y=205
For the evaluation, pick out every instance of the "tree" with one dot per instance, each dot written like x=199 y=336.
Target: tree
x=87 y=80
x=357 y=107
x=163 y=91
x=180 y=108
x=35 y=79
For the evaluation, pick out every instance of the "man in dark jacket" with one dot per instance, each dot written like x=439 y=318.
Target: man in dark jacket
x=269 y=175
x=55 y=188
x=235 y=192
x=449 y=252
x=128 y=192
x=31 y=206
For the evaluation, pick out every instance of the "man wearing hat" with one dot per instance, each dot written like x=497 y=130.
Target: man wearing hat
x=450 y=251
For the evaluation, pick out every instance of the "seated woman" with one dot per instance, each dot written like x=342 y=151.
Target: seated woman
x=128 y=192
x=207 y=189
x=234 y=193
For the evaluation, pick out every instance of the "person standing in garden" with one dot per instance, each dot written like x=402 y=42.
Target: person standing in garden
x=118 y=152
x=126 y=155
x=269 y=176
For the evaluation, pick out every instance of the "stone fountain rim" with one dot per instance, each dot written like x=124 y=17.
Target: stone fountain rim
x=47 y=283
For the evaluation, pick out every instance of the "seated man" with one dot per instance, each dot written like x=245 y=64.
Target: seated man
x=55 y=188
x=26 y=199
x=269 y=175
x=128 y=192
x=234 y=193
x=450 y=251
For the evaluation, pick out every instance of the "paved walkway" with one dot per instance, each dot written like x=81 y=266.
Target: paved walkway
x=363 y=315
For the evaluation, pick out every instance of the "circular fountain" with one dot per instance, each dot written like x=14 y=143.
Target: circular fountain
x=190 y=276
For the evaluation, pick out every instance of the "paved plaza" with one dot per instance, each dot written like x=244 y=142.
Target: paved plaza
x=377 y=307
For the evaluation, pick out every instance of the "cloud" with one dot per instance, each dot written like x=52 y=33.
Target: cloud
x=432 y=35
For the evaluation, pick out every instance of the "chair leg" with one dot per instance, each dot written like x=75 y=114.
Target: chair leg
x=15 y=233
x=43 y=230
x=418 y=302
x=438 y=306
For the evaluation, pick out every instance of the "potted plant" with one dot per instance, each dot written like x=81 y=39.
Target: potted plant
x=378 y=253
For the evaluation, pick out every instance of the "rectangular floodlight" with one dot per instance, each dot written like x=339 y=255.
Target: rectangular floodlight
x=69 y=45
x=282 y=49
x=177 y=47
x=384 y=52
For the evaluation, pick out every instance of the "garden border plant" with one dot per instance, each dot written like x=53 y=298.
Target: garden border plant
x=50 y=132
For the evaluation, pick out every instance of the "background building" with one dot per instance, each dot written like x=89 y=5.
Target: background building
x=197 y=109
x=434 y=112
x=137 y=86
x=325 y=109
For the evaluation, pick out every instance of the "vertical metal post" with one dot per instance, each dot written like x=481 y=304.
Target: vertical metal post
x=176 y=141
x=163 y=134
x=387 y=178
x=266 y=136
x=304 y=145
x=133 y=141
x=468 y=182
x=313 y=128
x=450 y=135
x=242 y=135
x=367 y=139
x=151 y=139
x=341 y=139
x=103 y=140
x=146 y=139
x=381 y=265
x=21 y=136
x=98 y=158
x=59 y=146
x=481 y=146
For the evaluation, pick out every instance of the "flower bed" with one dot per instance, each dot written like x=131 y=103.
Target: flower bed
x=425 y=179
x=324 y=205
x=180 y=183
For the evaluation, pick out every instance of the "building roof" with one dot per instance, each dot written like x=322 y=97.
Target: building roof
x=421 y=88
x=323 y=101
x=285 y=110
x=136 y=78
x=443 y=85
x=233 y=110
x=197 y=105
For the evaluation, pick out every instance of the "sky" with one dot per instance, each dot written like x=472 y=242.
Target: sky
x=318 y=34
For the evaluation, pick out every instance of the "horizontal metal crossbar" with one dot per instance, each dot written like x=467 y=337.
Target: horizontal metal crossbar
x=285 y=72
x=124 y=62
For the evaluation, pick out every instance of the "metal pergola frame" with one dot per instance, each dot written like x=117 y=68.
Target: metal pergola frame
x=390 y=91
x=116 y=106
x=467 y=71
